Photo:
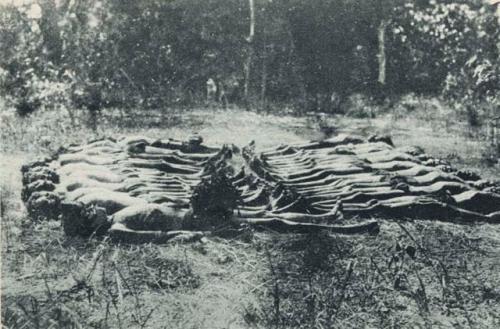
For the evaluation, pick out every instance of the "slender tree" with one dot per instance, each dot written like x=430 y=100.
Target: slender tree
x=263 y=83
x=381 y=56
x=250 y=50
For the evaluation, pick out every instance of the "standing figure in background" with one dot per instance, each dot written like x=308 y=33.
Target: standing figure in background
x=228 y=91
x=211 y=91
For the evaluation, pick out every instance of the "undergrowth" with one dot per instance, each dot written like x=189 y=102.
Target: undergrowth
x=412 y=275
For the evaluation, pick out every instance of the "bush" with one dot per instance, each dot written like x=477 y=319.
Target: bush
x=359 y=106
x=431 y=47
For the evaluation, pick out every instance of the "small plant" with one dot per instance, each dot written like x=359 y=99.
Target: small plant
x=89 y=95
x=359 y=106
x=318 y=247
x=26 y=106
x=491 y=155
x=472 y=115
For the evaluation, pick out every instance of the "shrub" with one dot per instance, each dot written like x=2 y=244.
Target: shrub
x=431 y=48
x=359 y=106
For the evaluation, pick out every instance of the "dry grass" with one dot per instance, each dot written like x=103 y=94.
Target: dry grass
x=435 y=127
x=255 y=281
x=412 y=275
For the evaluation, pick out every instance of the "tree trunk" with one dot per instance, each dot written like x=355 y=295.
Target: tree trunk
x=297 y=74
x=70 y=113
x=381 y=53
x=93 y=120
x=263 y=84
x=248 y=63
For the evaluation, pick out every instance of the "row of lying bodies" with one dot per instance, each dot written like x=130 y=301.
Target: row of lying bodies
x=119 y=186
x=139 y=189
x=376 y=179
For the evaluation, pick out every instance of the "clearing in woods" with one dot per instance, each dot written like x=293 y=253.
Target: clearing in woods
x=412 y=274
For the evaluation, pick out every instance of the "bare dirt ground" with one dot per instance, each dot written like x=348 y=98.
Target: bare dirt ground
x=418 y=274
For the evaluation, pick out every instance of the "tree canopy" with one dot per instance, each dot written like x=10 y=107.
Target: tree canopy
x=162 y=52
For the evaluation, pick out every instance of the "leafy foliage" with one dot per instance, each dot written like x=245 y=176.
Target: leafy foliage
x=445 y=46
x=152 y=53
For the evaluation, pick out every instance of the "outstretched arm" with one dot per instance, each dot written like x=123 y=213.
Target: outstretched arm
x=121 y=233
